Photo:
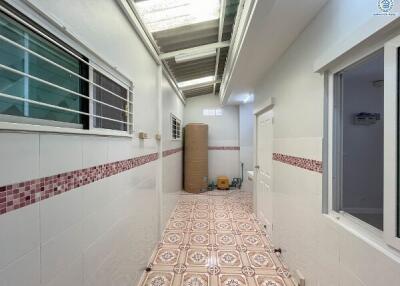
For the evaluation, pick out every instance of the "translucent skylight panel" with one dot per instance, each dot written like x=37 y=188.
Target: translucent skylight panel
x=159 y=15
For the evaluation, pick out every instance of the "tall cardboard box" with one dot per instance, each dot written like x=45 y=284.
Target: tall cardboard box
x=196 y=157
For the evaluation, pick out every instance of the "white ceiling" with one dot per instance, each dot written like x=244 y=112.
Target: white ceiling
x=274 y=26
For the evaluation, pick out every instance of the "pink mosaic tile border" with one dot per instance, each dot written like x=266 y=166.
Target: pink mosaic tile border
x=227 y=148
x=171 y=151
x=19 y=195
x=308 y=164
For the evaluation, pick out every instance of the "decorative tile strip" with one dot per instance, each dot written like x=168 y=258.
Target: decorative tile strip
x=228 y=148
x=15 y=196
x=308 y=164
x=171 y=151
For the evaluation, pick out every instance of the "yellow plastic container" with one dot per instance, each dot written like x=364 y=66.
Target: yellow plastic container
x=223 y=183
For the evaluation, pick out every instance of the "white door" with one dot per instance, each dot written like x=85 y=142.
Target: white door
x=263 y=168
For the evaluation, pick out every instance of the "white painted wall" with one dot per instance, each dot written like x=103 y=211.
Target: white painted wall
x=246 y=117
x=102 y=233
x=222 y=131
x=172 y=164
x=323 y=249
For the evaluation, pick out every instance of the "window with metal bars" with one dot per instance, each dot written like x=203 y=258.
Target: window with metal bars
x=175 y=128
x=116 y=106
x=45 y=82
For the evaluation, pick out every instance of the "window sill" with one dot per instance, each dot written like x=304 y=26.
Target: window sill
x=22 y=127
x=368 y=234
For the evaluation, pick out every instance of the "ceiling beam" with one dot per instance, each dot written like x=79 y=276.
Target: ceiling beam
x=194 y=86
x=220 y=32
x=199 y=49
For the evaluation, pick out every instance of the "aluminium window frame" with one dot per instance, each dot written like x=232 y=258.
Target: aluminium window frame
x=58 y=32
x=391 y=143
x=129 y=97
x=384 y=240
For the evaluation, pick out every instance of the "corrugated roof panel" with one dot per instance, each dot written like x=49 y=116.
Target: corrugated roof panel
x=160 y=15
x=198 y=91
x=174 y=28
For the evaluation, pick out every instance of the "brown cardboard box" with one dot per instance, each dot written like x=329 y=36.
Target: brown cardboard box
x=196 y=157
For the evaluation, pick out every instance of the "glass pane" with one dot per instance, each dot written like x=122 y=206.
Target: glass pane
x=25 y=87
x=106 y=97
x=362 y=117
x=11 y=83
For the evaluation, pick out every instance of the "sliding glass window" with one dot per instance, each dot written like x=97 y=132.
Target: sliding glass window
x=38 y=79
x=111 y=102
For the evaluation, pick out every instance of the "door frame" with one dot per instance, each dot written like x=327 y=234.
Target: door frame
x=267 y=106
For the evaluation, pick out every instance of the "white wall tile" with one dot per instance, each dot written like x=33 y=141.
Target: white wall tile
x=98 y=223
x=96 y=195
x=20 y=233
x=22 y=272
x=60 y=212
x=223 y=163
x=95 y=255
x=119 y=149
x=71 y=275
x=94 y=151
x=59 y=154
x=60 y=252
x=19 y=153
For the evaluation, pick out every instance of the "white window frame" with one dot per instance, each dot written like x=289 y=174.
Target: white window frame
x=390 y=175
x=49 y=24
x=173 y=116
x=388 y=236
x=130 y=128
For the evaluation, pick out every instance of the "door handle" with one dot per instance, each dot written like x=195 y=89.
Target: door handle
x=257 y=167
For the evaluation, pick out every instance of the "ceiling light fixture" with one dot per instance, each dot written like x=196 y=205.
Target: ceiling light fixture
x=195 y=56
x=197 y=81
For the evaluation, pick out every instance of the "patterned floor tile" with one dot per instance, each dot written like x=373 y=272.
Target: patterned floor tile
x=221 y=215
x=265 y=280
x=223 y=225
x=201 y=214
x=252 y=240
x=232 y=280
x=174 y=238
x=260 y=259
x=199 y=239
x=177 y=225
x=226 y=239
x=214 y=239
x=167 y=256
x=202 y=207
x=198 y=257
x=241 y=215
x=245 y=226
x=200 y=225
x=158 y=279
x=181 y=215
x=229 y=258
x=196 y=279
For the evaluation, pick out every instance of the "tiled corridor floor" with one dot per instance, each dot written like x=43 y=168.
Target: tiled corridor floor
x=214 y=239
